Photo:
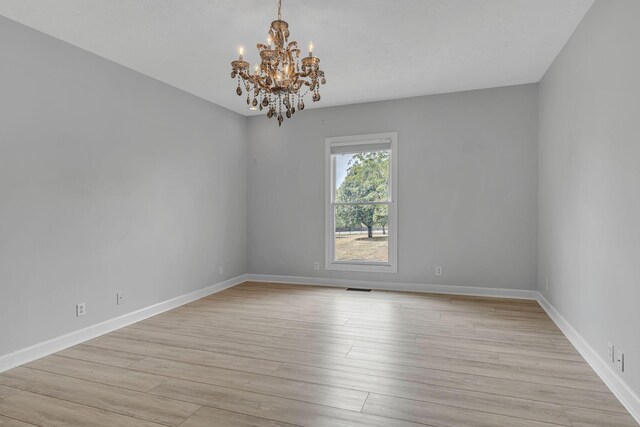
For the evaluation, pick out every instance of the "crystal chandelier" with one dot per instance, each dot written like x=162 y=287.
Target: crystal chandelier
x=282 y=79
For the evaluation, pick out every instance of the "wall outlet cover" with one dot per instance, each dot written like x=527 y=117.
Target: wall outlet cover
x=438 y=271
x=612 y=355
x=620 y=360
x=120 y=298
x=81 y=309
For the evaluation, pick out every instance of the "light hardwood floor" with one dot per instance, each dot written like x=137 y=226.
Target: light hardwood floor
x=282 y=355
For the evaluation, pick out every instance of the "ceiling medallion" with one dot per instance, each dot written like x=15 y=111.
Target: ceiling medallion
x=282 y=79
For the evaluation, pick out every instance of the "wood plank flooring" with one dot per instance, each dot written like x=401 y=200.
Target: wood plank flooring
x=283 y=355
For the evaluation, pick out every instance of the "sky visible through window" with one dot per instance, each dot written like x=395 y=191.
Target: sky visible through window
x=342 y=164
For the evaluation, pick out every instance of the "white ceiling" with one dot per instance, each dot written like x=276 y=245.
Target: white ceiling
x=369 y=49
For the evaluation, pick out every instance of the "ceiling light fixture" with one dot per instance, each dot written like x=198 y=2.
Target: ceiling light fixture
x=282 y=79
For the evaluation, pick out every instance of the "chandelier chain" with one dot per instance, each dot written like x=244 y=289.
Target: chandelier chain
x=280 y=10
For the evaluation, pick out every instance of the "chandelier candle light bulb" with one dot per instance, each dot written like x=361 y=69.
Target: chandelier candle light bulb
x=283 y=78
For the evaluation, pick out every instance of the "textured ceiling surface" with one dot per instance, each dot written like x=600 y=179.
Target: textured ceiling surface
x=370 y=49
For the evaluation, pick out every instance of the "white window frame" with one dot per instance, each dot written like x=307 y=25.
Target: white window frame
x=330 y=165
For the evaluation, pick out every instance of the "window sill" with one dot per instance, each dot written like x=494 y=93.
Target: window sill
x=362 y=268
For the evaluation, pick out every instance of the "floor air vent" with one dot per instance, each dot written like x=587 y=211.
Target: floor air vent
x=359 y=289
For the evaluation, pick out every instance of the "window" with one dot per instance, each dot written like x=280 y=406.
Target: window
x=361 y=214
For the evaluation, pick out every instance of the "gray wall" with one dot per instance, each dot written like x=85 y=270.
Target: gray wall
x=467 y=187
x=590 y=181
x=109 y=181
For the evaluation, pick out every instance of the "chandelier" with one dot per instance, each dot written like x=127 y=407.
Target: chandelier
x=282 y=79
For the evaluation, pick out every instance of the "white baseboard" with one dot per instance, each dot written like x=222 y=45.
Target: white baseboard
x=629 y=399
x=54 y=345
x=393 y=286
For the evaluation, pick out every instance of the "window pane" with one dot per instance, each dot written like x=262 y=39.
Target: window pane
x=362 y=177
x=362 y=233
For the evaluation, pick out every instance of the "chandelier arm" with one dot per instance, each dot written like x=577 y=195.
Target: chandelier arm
x=263 y=85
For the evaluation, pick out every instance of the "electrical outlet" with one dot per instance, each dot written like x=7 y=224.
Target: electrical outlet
x=438 y=271
x=546 y=284
x=221 y=270
x=81 y=309
x=120 y=298
x=611 y=353
x=316 y=266
x=620 y=360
